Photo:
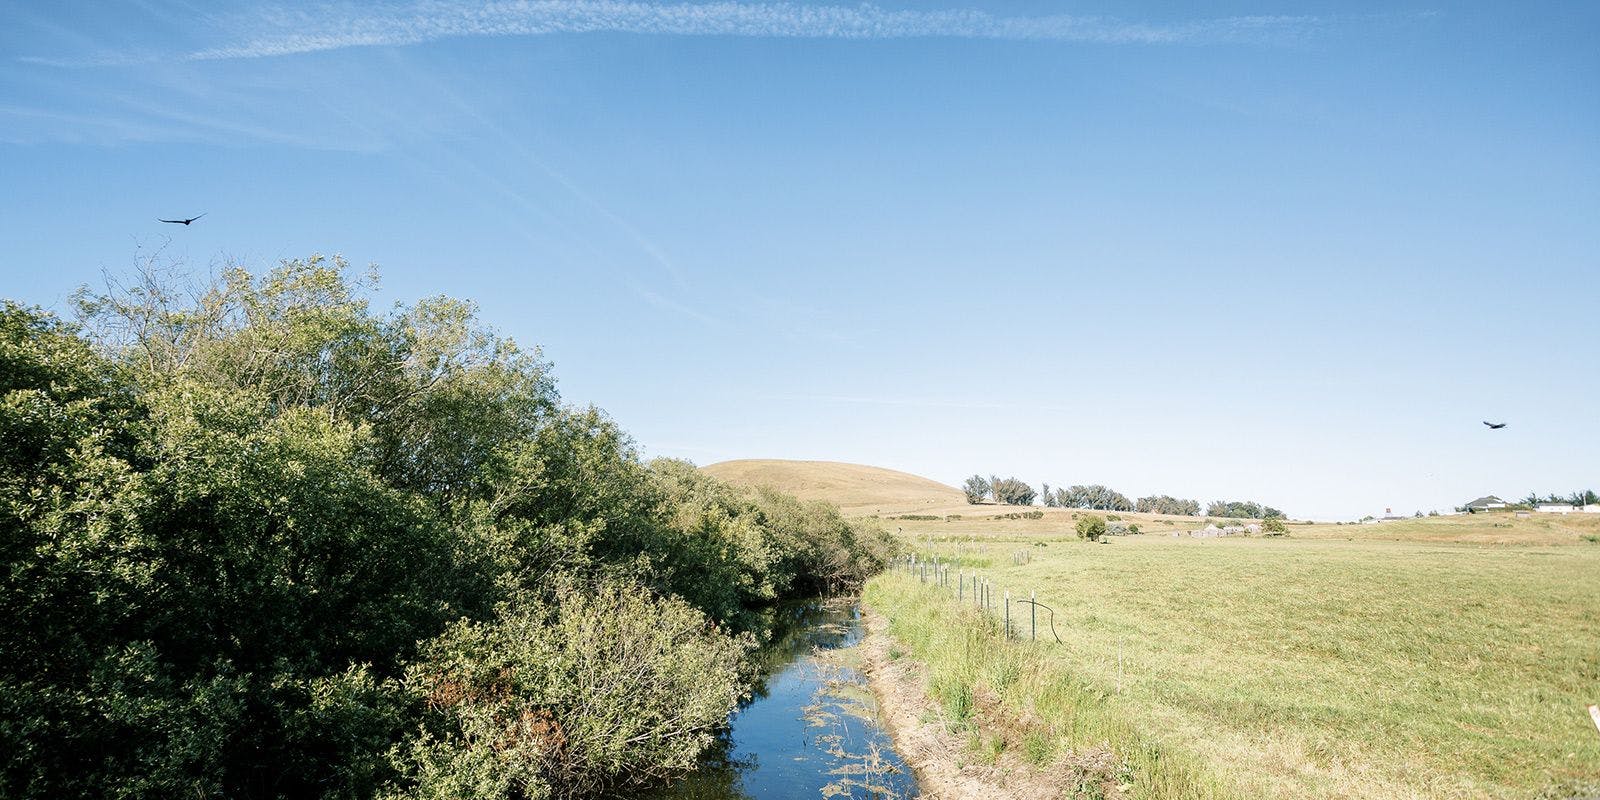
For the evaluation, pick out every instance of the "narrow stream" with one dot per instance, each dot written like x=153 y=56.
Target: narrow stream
x=810 y=730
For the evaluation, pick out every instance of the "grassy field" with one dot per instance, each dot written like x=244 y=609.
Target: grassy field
x=1406 y=664
x=1500 y=529
x=1016 y=703
x=1441 y=657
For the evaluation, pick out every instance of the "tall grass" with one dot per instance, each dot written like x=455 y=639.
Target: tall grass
x=1011 y=694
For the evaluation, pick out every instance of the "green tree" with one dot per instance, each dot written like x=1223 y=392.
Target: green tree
x=1241 y=508
x=977 y=489
x=247 y=524
x=1012 y=492
x=1091 y=527
x=1163 y=504
x=1095 y=497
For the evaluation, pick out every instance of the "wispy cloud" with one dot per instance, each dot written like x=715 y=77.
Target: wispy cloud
x=668 y=304
x=280 y=31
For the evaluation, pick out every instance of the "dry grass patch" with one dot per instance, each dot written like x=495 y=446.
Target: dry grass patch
x=857 y=489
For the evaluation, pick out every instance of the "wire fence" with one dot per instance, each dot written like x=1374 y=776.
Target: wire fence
x=969 y=586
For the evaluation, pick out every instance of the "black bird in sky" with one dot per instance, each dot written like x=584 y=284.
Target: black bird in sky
x=1494 y=426
x=180 y=221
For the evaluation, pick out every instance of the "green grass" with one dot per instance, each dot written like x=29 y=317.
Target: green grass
x=1302 y=668
x=1010 y=693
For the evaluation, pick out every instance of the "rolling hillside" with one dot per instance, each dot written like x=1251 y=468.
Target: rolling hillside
x=857 y=489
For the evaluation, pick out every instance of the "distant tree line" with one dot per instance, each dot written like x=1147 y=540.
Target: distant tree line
x=1097 y=497
x=1006 y=491
x=1584 y=497
x=1010 y=491
x=1241 y=508
x=1162 y=504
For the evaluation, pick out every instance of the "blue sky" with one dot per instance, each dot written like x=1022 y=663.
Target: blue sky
x=1292 y=253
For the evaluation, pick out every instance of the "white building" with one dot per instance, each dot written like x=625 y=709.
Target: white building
x=1489 y=503
x=1563 y=508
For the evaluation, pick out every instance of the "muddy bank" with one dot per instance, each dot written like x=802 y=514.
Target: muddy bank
x=980 y=761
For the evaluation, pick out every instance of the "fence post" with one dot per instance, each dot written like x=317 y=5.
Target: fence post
x=1008 y=613
x=1033 y=614
x=961 y=585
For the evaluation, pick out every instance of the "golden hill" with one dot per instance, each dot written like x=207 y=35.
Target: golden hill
x=855 y=488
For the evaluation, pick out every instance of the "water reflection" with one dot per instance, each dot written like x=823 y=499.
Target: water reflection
x=808 y=730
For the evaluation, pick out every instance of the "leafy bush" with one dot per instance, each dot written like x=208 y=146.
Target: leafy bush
x=1035 y=514
x=1273 y=527
x=559 y=697
x=1091 y=527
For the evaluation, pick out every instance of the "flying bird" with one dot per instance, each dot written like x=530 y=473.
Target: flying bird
x=1494 y=426
x=181 y=221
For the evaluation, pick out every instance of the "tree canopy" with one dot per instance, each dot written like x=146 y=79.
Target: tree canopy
x=1582 y=497
x=1162 y=504
x=977 y=489
x=1096 y=497
x=1013 y=492
x=1241 y=508
x=263 y=541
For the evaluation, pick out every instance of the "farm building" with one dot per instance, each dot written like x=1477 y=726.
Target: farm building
x=1486 y=503
x=1564 y=508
